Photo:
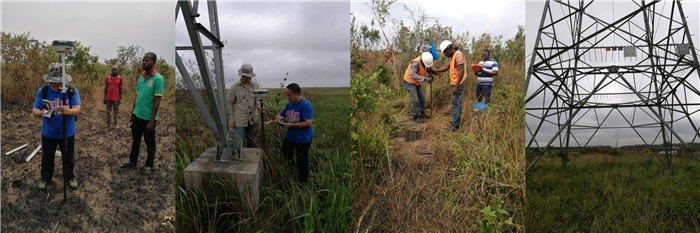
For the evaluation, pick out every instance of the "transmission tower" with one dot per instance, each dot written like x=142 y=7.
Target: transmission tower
x=595 y=68
x=228 y=143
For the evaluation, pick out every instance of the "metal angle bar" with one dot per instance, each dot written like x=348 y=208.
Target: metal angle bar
x=580 y=127
x=195 y=94
x=682 y=81
x=16 y=149
x=632 y=125
x=204 y=71
x=562 y=128
x=603 y=47
x=627 y=67
x=184 y=48
x=690 y=39
x=546 y=111
x=625 y=18
x=208 y=34
x=599 y=127
x=692 y=123
x=32 y=154
x=673 y=132
x=537 y=41
x=218 y=62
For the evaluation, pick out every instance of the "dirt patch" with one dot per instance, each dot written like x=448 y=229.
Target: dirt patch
x=108 y=198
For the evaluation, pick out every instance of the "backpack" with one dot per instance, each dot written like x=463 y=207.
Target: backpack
x=70 y=92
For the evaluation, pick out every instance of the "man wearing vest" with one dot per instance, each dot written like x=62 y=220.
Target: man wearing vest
x=113 y=94
x=52 y=127
x=484 y=78
x=457 y=77
x=298 y=114
x=149 y=90
x=412 y=78
x=242 y=105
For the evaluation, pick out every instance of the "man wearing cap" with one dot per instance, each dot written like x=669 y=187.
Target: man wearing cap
x=484 y=78
x=113 y=94
x=457 y=77
x=242 y=105
x=412 y=78
x=52 y=126
x=149 y=91
x=298 y=113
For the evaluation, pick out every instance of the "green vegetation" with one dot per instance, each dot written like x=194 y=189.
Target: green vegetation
x=607 y=193
x=466 y=181
x=322 y=205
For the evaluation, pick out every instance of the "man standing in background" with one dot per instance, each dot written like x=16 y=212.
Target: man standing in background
x=149 y=90
x=484 y=78
x=113 y=94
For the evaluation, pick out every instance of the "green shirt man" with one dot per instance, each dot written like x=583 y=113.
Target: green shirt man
x=147 y=87
x=149 y=91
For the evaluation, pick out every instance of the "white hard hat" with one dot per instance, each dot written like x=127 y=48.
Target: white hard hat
x=427 y=59
x=444 y=45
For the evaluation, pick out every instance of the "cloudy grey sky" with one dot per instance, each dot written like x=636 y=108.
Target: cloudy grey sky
x=104 y=26
x=310 y=40
x=604 y=10
x=477 y=17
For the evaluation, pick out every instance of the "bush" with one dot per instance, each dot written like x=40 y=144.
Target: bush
x=363 y=93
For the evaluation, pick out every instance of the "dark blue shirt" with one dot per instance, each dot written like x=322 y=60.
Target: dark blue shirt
x=296 y=113
x=53 y=127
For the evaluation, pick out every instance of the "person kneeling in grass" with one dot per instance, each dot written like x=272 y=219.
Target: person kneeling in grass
x=299 y=116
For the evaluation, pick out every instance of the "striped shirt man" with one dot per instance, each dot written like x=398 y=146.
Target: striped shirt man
x=482 y=77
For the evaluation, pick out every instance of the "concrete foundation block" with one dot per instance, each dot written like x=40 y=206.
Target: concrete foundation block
x=245 y=175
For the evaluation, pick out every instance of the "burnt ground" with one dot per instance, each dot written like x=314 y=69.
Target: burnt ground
x=108 y=198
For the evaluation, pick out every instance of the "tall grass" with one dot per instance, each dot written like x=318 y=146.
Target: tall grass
x=606 y=193
x=464 y=181
x=286 y=205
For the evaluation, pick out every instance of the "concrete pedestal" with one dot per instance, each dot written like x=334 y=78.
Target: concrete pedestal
x=246 y=175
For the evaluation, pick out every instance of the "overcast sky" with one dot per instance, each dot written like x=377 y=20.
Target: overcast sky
x=476 y=17
x=604 y=10
x=103 y=26
x=310 y=40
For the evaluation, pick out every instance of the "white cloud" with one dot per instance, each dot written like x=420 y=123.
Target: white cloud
x=103 y=26
x=310 y=40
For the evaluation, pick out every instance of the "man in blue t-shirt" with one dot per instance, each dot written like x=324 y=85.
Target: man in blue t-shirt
x=299 y=115
x=52 y=128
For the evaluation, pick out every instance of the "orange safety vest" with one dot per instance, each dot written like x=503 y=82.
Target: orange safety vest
x=453 y=70
x=421 y=71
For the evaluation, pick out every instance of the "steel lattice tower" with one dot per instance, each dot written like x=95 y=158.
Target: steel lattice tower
x=589 y=74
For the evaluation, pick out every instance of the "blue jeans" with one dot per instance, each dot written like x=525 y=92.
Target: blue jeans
x=457 y=105
x=247 y=133
x=417 y=98
x=483 y=91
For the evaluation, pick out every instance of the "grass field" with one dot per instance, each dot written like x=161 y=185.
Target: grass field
x=322 y=205
x=465 y=181
x=632 y=192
